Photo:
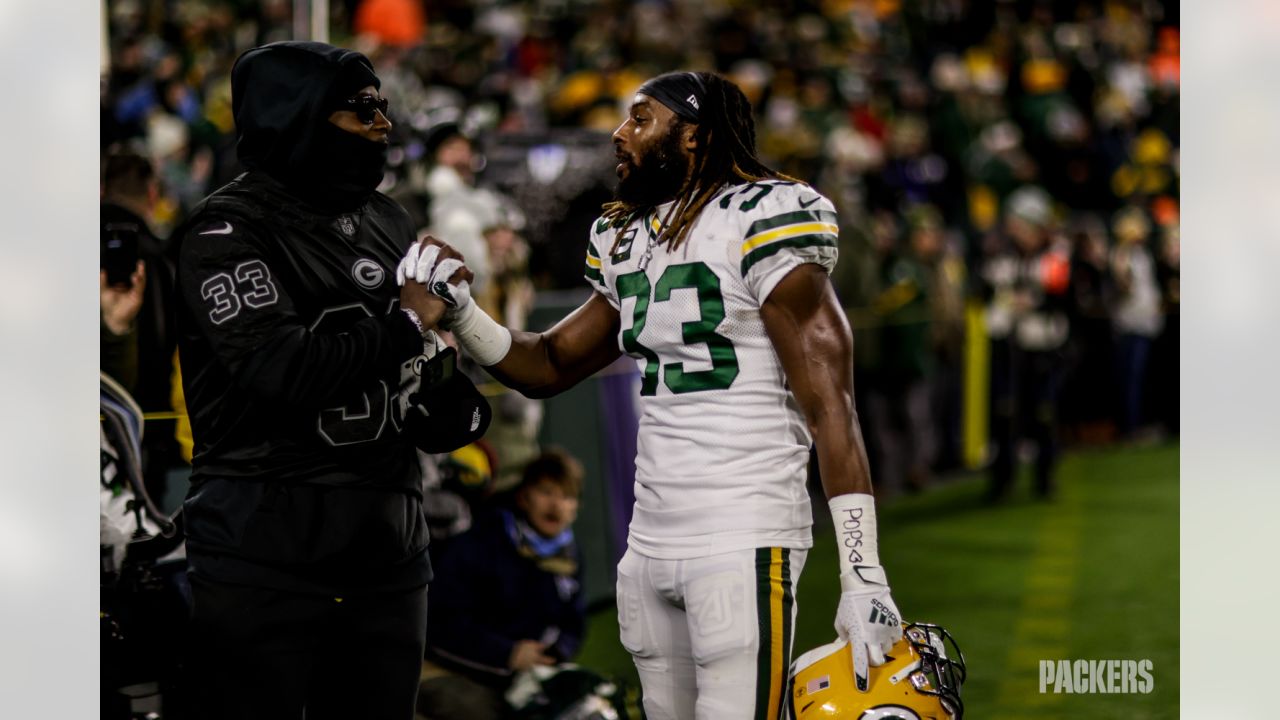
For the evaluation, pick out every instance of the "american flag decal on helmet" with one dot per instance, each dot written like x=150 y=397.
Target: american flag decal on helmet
x=818 y=684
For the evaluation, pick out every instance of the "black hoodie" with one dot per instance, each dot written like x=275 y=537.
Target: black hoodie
x=292 y=347
x=282 y=95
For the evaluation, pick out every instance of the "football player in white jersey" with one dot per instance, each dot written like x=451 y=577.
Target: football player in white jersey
x=711 y=270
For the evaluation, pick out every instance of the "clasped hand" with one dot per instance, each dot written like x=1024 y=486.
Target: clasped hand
x=433 y=280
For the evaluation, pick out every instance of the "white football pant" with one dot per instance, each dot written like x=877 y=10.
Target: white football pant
x=711 y=637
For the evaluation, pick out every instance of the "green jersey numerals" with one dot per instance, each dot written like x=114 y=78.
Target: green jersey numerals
x=751 y=194
x=724 y=359
x=636 y=285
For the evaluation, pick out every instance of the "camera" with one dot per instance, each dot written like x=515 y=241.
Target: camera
x=119 y=255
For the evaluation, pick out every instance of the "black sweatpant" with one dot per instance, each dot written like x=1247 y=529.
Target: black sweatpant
x=260 y=653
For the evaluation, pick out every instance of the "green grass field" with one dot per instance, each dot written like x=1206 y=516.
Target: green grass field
x=1092 y=575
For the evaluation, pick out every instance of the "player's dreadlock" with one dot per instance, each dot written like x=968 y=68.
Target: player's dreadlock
x=725 y=154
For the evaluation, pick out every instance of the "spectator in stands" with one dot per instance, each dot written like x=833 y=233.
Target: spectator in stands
x=864 y=283
x=507 y=596
x=1136 y=313
x=901 y=401
x=459 y=211
x=875 y=104
x=942 y=255
x=1165 y=352
x=130 y=257
x=1008 y=95
x=140 y=354
x=1089 y=388
x=120 y=303
x=485 y=227
x=1026 y=286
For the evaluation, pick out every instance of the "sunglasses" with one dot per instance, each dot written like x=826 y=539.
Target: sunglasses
x=366 y=107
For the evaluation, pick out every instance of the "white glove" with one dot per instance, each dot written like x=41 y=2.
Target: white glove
x=417 y=264
x=458 y=296
x=868 y=619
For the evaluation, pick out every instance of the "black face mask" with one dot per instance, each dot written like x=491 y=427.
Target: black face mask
x=282 y=96
x=659 y=175
x=341 y=169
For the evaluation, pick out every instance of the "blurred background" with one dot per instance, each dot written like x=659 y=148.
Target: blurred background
x=1007 y=179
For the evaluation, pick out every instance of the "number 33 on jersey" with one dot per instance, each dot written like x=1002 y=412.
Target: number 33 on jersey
x=714 y=403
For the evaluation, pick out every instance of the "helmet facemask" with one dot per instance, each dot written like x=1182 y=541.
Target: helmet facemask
x=941 y=670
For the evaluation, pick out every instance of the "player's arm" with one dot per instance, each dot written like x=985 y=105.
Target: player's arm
x=813 y=341
x=547 y=363
x=815 y=346
x=245 y=313
x=541 y=364
x=538 y=365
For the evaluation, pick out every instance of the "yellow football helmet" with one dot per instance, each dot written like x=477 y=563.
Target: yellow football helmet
x=920 y=680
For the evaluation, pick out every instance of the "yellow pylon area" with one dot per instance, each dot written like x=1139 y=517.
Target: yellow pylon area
x=977 y=383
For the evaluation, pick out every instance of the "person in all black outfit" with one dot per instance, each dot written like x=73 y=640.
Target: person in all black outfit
x=306 y=538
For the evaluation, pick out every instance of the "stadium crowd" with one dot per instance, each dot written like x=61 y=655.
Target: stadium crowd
x=1006 y=175
x=920 y=120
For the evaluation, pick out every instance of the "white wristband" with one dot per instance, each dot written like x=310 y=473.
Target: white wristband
x=854 y=516
x=484 y=339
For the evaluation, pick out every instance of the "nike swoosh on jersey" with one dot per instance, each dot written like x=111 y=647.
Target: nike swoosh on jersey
x=219 y=231
x=811 y=201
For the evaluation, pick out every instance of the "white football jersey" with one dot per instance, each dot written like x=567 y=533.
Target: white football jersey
x=723 y=446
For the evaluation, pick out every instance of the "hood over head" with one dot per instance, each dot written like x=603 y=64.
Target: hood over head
x=282 y=95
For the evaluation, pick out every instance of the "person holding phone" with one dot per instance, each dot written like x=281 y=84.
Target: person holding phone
x=135 y=282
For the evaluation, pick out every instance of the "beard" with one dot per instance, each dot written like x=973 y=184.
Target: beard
x=658 y=175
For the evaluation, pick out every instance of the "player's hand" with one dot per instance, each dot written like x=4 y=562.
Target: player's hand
x=868 y=619
x=120 y=305
x=416 y=265
x=450 y=282
x=527 y=653
x=416 y=297
x=420 y=262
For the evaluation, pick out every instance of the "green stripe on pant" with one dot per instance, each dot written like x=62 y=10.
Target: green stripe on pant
x=774 y=601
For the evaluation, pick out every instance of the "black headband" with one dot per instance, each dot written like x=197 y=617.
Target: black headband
x=683 y=92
